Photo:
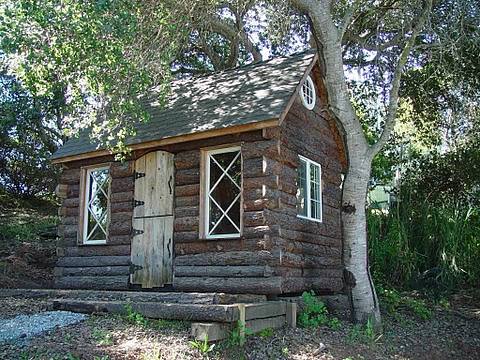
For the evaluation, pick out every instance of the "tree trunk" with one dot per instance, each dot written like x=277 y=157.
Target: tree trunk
x=355 y=250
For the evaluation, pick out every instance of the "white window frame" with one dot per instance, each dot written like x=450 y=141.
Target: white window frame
x=84 y=204
x=307 y=190
x=207 y=190
x=308 y=83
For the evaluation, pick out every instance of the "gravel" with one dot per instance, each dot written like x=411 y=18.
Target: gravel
x=25 y=326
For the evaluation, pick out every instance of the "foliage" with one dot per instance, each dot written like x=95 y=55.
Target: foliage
x=392 y=300
x=28 y=137
x=268 y=332
x=172 y=324
x=202 y=346
x=238 y=333
x=423 y=244
x=99 y=54
x=101 y=336
x=133 y=317
x=316 y=313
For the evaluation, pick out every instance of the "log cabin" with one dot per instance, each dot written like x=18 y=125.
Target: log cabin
x=233 y=186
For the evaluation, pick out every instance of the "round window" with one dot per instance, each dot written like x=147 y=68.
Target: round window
x=308 y=93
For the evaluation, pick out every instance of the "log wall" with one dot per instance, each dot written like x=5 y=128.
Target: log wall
x=311 y=251
x=95 y=266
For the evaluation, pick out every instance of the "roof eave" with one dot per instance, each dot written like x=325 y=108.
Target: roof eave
x=175 y=140
x=297 y=89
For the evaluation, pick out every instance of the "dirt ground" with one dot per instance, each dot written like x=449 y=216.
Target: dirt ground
x=452 y=332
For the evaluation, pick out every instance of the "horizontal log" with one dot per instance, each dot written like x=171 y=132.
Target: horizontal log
x=271 y=285
x=118 y=185
x=289 y=221
x=121 y=170
x=73 y=191
x=61 y=191
x=323 y=273
x=120 y=228
x=308 y=261
x=121 y=216
x=154 y=310
x=94 y=250
x=124 y=196
x=204 y=246
x=187 y=190
x=270 y=148
x=92 y=271
x=186 y=223
x=70 y=220
x=300 y=247
x=67 y=231
x=186 y=211
x=311 y=238
x=70 y=176
x=258 y=182
x=119 y=282
x=257 y=231
x=229 y=258
x=119 y=240
x=224 y=271
x=187 y=159
x=187 y=177
x=71 y=202
x=297 y=285
x=254 y=218
x=137 y=296
x=65 y=242
x=185 y=236
x=187 y=201
x=260 y=204
x=263 y=166
x=84 y=261
x=121 y=207
x=271 y=133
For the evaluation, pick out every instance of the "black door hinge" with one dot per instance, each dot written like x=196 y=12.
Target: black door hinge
x=138 y=175
x=136 y=203
x=136 y=232
x=134 y=268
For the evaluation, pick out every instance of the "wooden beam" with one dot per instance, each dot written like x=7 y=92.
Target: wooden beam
x=176 y=139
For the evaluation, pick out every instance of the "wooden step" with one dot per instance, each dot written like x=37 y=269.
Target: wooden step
x=136 y=296
x=154 y=310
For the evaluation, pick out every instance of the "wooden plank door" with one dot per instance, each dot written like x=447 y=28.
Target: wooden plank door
x=152 y=234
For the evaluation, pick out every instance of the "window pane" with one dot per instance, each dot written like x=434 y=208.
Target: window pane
x=314 y=182
x=224 y=193
x=301 y=188
x=316 y=210
x=97 y=205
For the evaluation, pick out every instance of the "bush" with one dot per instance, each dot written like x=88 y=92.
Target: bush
x=422 y=244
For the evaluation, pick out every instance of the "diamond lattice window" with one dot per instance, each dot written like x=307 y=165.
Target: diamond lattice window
x=96 y=205
x=224 y=193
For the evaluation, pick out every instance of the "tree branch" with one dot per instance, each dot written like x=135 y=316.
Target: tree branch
x=397 y=76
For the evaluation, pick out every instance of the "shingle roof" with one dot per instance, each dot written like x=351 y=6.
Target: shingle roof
x=243 y=95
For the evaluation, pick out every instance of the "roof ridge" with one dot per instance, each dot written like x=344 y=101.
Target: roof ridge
x=249 y=65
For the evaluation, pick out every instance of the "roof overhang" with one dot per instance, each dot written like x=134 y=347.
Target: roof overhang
x=175 y=140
